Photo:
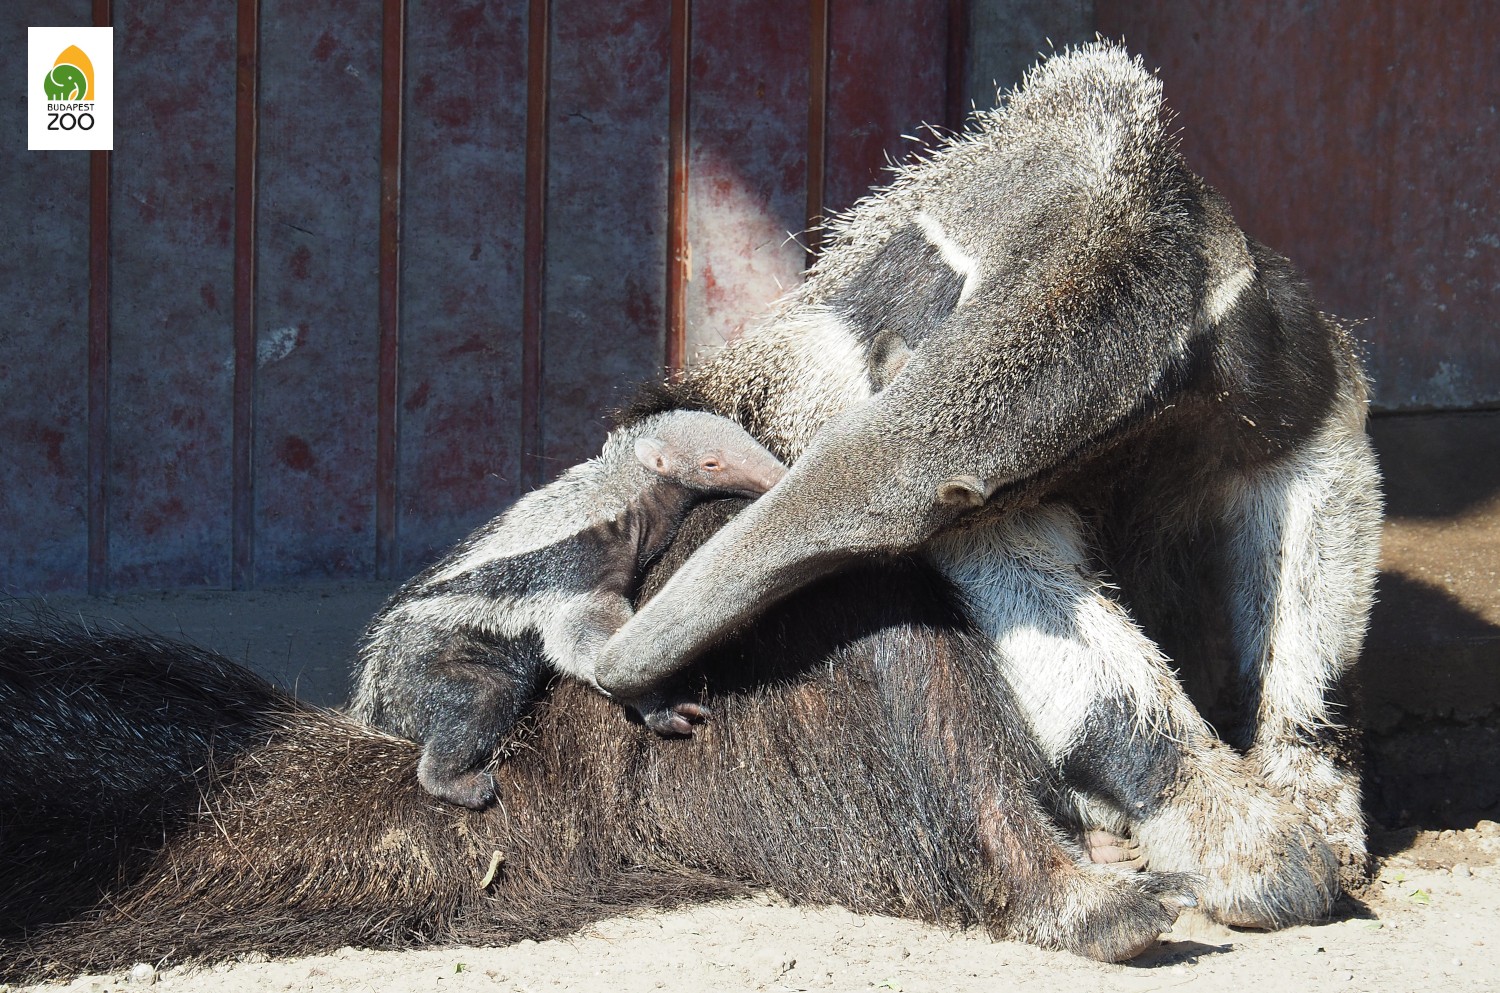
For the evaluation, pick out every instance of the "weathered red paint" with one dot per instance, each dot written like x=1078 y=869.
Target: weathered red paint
x=1360 y=140
x=747 y=191
x=463 y=205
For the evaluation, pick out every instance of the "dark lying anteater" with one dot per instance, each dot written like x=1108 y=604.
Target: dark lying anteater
x=860 y=755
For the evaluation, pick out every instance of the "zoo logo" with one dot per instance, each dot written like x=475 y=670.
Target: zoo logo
x=70 y=79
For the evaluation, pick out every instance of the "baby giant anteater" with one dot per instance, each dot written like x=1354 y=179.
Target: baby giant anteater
x=455 y=657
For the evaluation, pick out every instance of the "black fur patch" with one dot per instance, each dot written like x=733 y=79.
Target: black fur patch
x=906 y=288
x=1133 y=771
x=600 y=557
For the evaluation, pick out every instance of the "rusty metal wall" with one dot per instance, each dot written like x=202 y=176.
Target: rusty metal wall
x=1361 y=140
x=44 y=358
x=364 y=272
x=359 y=273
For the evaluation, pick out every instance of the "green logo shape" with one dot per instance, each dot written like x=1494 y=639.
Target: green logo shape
x=66 y=82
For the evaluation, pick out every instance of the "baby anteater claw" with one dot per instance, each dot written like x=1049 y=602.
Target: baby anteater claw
x=675 y=721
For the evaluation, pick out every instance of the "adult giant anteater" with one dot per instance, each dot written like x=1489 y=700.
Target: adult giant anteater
x=1170 y=439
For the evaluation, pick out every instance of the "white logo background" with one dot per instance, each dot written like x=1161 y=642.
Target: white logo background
x=43 y=47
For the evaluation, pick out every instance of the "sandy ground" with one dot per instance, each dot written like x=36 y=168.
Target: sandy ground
x=1429 y=920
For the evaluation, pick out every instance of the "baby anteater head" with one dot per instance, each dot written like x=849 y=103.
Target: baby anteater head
x=706 y=452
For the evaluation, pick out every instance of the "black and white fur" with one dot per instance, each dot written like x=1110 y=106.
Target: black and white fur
x=1169 y=439
x=456 y=655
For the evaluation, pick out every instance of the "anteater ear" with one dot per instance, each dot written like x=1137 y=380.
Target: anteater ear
x=963 y=491
x=653 y=455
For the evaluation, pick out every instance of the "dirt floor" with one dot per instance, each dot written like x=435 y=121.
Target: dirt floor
x=1429 y=920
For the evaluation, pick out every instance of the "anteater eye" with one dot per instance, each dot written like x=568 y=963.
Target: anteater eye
x=712 y=465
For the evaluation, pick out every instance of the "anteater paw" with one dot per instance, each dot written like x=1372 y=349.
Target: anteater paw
x=472 y=788
x=1101 y=913
x=1263 y=863
x=675 y=720
x=1106 y=848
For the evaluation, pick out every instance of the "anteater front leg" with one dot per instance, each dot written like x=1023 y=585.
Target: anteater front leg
x=1111 y=716
x=576 y=636
x=1304 y=547
x=471 y=694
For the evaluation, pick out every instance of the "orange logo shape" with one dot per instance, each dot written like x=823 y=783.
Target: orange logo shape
x=72 y=76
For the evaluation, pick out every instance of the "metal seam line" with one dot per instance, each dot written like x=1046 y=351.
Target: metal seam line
x=534 y=274
x=242 y=440
x=817 y=126
x=97 y=497
x=392 y=93
x=679 y=70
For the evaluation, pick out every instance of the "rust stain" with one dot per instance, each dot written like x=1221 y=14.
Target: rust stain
x=297 y=454
x=324 y=47
x=418 y=398
x=300 y=264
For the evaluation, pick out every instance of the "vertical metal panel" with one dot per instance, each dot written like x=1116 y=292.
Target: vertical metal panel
x=461 y=253
x=957 y=65
x=887 y=75
x=317 y=302
x=44 y=294
x=746 y=191
x=678 y=248
x=392 y=99
x=99 y=242
x=246 y=142
x=1359 y=139
x=606 y=211
x=171 y=295
x=534 y=287
x=817 y=127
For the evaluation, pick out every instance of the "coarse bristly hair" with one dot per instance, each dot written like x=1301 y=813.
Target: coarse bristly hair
x=1150 y=394
x=860 y=756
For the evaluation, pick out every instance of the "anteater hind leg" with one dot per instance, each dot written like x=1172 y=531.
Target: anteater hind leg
x=1046 y=890
x=1304 y=548
x=471 y=696
x=1113 y=719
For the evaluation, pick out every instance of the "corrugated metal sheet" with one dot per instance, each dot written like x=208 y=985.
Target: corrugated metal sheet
x=1360 y=139
x=530 y=285
x=364 y=398
x=44 y=292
